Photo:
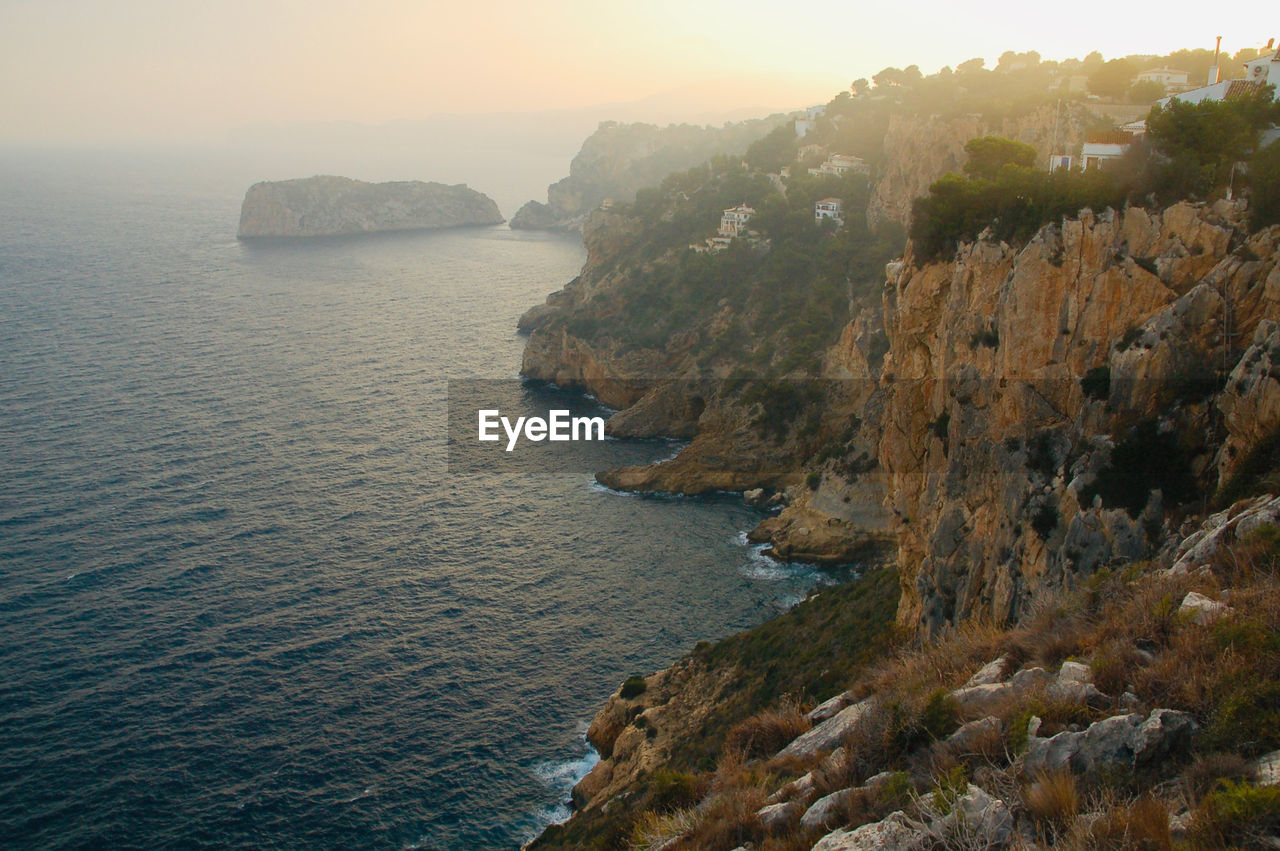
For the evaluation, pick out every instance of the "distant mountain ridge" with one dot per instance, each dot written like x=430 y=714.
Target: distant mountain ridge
x=326 y=205
x=619 y=159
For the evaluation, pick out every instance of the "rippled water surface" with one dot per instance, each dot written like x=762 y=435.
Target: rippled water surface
x=243 y=600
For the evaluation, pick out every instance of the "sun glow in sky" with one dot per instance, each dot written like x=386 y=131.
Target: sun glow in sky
x=157 y=69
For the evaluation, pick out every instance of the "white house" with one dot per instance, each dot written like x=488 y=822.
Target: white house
x=840 y=165
x=1101 y=147
x=1257 y=72
x=734 y=220
x=829 y=208
x=1170 y=78
x=812 y=114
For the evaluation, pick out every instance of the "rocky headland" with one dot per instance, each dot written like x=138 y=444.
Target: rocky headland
x=334 y=206
x=1057 y=429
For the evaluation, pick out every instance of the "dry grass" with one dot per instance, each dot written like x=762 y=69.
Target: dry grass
x=766 y=733
x=652 y=830
x=725 y=821
x=1139 y=825
x=1052 y=799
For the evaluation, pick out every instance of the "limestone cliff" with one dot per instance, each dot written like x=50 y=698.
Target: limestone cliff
x=330 y=206
x=918 y=149
x=1018 y=381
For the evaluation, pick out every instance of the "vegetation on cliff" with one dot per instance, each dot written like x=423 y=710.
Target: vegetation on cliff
x=1190 y=152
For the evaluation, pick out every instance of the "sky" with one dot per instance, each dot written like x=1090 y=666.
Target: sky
x=151 y=70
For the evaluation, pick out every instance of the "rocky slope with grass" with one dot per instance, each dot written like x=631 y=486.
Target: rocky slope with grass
x=1137 y=711
x=334 y=206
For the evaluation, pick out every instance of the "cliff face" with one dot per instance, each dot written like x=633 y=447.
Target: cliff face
x=618 y=160
x=920 y=149
x=994 y=442
x=330 y=206
x=986 y=414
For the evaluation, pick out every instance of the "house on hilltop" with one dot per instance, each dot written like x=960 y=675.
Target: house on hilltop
x=1257 y=73
x=1171 y=78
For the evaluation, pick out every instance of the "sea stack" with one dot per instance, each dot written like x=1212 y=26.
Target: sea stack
x=326 y=205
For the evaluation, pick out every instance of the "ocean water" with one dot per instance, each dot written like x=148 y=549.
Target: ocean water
x=244 y=599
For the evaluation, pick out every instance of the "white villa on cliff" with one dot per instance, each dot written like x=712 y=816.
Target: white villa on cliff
x=840 y=165
x=829 y=208
x=734 y=220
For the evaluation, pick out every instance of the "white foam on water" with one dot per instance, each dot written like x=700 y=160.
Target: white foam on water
x=561 y=776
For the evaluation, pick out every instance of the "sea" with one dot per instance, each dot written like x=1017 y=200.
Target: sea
x=245 y=599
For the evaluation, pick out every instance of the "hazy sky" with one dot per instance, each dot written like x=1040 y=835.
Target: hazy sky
x=118 y=70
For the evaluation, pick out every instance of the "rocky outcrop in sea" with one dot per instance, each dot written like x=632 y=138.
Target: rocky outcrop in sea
x=326 y=205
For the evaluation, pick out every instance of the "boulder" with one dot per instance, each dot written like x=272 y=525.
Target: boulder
x=892 y=832
x=829 y=708
x=1127 y=740
x=1266 y=769
x=992 y=672
x=1224 y=528
x=826 y=810
x=981 y=699
x=797 y=790
x=776 y=817
x=1030 y=678
x=978 y=816
x=830 y=733
x=1200 y=609
x=1075 y=672
x=974 y=736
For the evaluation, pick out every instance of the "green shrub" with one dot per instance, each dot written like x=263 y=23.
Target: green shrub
x=1237 y=814
x=1247 y=717
x=633 y=686
x=939 y=716
x=1045 y=520
x=940 y=425
x=1145 y=460
x=1254 y=474
x=1264 y=180
x=1096 y=383
x=672 y=790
